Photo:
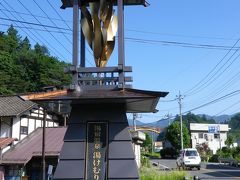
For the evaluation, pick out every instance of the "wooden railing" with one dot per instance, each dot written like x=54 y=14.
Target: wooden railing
x=101 y=78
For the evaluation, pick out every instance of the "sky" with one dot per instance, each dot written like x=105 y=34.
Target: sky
x=188 y=48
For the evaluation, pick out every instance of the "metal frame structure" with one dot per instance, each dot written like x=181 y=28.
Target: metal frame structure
x=98 y=77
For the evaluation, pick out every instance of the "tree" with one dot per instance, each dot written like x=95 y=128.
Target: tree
x=147 y=143
x=229 y=141
x=12 y=39
x=28 y=70
x=173 y=135
x=41 y=50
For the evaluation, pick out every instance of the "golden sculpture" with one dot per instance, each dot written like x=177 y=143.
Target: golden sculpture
x=99 y=26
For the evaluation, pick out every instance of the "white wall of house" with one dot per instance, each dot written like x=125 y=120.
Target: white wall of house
x=200 y=134
x=16 y=127
x=5 y=126
x=20 y=127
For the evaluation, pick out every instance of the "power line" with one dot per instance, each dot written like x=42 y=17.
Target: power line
x=22 y=13
x=212 y=70
x=138 y=40
x=215 y=100
x=44 y=27
x=212 y=78
x=35 y=24
x=24 y=27
x=183 y=44
x=176 y=35
x=229 y=107
x=58 y=14
x=40 y=40
x=52 y=21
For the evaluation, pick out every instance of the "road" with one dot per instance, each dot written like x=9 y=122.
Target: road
x=208 y=170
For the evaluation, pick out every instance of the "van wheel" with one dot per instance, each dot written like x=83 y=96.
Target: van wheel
x=199 y=168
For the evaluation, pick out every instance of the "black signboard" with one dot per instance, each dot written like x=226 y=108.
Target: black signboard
x=96 y=155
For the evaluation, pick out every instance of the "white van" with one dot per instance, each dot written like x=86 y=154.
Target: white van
x=189 y=158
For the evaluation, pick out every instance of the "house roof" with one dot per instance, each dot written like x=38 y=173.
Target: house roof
x=31 y=146
x=14 y=105
x=6 y=141
x=135 y=100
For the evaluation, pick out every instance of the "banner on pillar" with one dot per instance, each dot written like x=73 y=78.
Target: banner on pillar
x=96 y=155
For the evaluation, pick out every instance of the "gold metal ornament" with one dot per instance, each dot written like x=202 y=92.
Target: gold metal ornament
x=99 y=26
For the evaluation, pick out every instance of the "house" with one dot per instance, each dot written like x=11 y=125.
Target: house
x=214 y=135
x=19 y=117
x=25 y=158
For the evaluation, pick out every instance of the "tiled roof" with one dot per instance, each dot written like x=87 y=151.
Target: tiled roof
x=14 y=105
x=5 y=142
x=31 y=146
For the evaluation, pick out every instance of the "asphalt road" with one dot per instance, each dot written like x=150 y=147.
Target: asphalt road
x=208 y=170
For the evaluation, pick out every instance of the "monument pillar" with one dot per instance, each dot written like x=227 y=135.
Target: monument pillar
x=97 y=144
x=78 y=158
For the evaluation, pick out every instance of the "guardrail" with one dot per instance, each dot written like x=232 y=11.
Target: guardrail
x=230 y=161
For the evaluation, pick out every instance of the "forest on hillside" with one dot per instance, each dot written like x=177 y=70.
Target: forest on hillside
x=26 y=68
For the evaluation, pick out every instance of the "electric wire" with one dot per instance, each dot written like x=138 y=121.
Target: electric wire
x=219 y=73
x=65 y=22
x=44 y=26
x=229 y=107
x=214 y=101
x=23 y=13
x=39 y=39
x=35 y=24
x=52 y=21
x=37 y=29
x=211 y=71
x=176 y=35
x=183 y=44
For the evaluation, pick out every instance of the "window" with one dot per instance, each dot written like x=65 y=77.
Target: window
x=206 y=137
x=200 y=135
x=216 y=136
x=23 y=130
x=191 y=153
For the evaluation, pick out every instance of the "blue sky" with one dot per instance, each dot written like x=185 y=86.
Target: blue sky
x=182 y=46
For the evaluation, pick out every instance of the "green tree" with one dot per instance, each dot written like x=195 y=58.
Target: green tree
x=234 y=124
x=173 y=135
x=24 y=69
x=147 y=143
x=12 y=39
x=229 y=141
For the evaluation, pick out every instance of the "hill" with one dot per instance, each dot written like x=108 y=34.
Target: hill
x=218 y=119
x=26 y=69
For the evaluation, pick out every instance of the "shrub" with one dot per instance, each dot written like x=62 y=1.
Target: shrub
x=153 y=174
x=152 y=155
x=214 y=158
x=145 y=162
x=168 y=153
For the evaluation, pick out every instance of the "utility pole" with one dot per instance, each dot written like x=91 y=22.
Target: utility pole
x=134 y=121
x=180 y=98
x=219 y=131
x=168 y=117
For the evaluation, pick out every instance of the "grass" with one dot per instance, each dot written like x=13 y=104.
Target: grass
x=153 y=174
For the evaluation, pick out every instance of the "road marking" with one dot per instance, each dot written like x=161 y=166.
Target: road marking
x=220 y=173
x=162 y=165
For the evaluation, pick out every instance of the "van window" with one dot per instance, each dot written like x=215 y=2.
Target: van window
x=191 y=153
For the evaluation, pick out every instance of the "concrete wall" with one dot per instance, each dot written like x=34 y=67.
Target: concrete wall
x=209 y=134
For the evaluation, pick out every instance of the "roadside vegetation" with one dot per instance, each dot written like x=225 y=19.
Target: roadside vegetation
x=154 y=174
x=150 y=172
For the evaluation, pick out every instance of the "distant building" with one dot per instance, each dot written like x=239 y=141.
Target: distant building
x=158 y=145
x=214 y=135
